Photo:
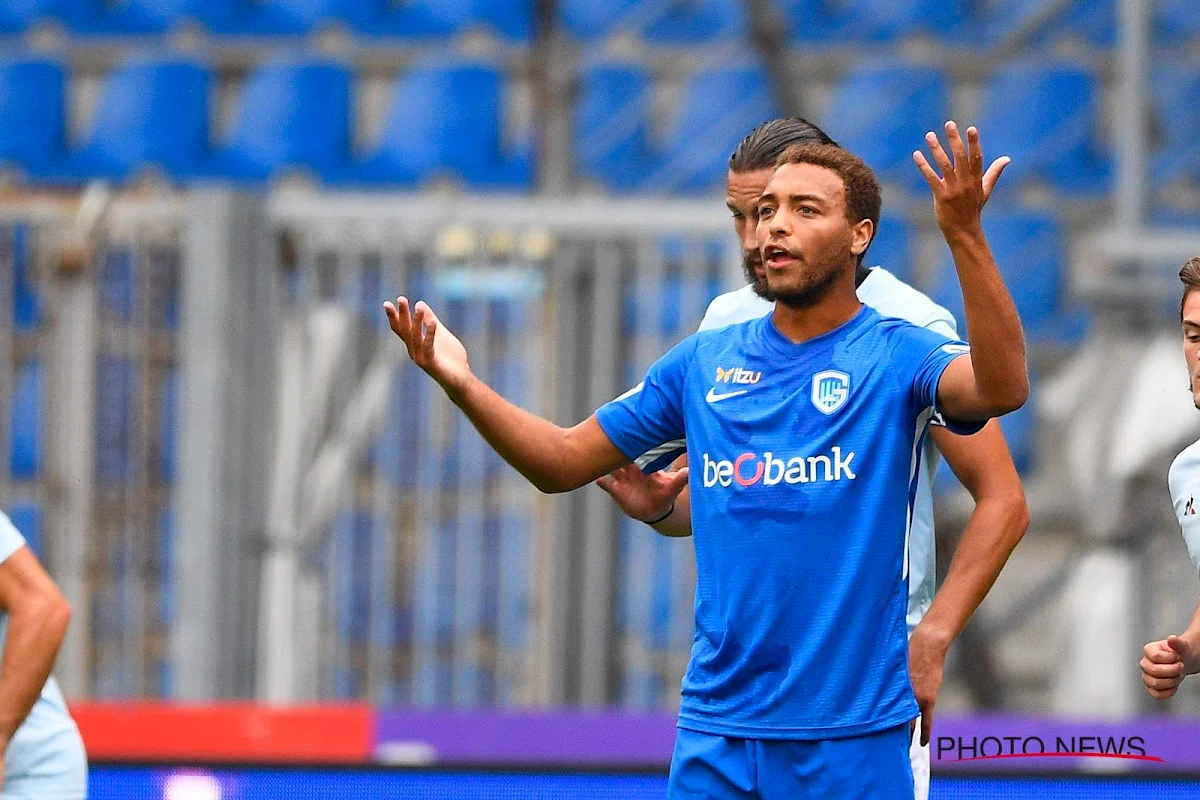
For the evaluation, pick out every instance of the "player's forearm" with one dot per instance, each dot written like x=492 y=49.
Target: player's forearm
x=1192 y=636
x=679 y=522
x=36 y=628
x=994 y=529
x=547 y=455
x=997 y=338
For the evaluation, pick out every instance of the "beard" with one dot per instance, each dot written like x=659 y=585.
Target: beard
x=751 y=264
x=819 y=278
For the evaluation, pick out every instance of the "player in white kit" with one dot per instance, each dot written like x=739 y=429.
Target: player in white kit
x=982 y=462
x=43 y=756
x=1167 y=662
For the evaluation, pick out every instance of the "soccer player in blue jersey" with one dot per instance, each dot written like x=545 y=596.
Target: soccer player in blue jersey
x=982 y=461
x=806 y=459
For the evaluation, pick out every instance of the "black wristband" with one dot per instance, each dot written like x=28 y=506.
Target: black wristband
x=670 y=511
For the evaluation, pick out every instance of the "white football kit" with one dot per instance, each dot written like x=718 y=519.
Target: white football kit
x=45 y=759
x=1184 y=481
x=891 y=297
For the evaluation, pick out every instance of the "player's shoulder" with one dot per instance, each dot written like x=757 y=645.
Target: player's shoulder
x=893 y=298
x=1185 y=469
x=733 y=308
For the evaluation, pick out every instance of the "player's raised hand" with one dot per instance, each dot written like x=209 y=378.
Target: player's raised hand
x=641 y=496
x=962 y=188
x=1165 y=664
x=430 y=345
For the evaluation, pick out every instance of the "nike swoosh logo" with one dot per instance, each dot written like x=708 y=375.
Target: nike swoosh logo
x=713 y=397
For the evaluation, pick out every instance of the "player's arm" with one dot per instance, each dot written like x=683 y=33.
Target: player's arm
x=985 y=467
x=993 y=380
x=38 y=615
x=1167 y=662
x=552 y=458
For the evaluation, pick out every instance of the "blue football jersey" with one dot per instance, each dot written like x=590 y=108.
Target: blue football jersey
x=803 y=461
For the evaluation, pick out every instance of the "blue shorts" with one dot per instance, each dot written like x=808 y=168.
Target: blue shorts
x=872 y=767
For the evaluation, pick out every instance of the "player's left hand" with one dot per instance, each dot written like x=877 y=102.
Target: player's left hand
x=430 y=344
x=963 y=188
x=926 y=666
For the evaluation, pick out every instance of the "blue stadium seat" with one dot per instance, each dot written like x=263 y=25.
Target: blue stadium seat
x=1094 y=21
x=414 y=19
x=663 y=21
x=131 y=17
x=830 y=21
x=150 y=111
x=1176 y=93
x=882 y=114
x=1178 y=21
x=32 y=128
x=18 y=15
x=25 y=422
x=262 y=17
x=892 y=247
x=293 y=114
x=26 y=516
x=820 y=22
x=509 y=19
x=447 y=119
x=1045 y=118
x=890 y=19
x=612 y=125
x=694 y=21
x=1090 y=20
x=719 y=107
x=594 y=19
x=1029 y=250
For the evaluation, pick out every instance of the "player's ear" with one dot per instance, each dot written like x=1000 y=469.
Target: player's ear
x=861 y=235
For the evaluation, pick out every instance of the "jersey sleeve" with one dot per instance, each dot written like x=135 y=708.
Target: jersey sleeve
x=921 y=357
x=1183 y=484
x=943 y=324
x=11 y=539
x=650 y=414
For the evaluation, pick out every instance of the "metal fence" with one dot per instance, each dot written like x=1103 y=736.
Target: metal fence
x=244 y=489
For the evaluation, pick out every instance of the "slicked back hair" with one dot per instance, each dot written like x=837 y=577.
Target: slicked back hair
x=1190 y=277
x=763 y=146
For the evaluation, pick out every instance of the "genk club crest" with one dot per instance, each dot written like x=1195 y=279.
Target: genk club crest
x=830 y=390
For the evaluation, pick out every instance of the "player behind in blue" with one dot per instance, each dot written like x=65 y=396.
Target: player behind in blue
x=804 y=428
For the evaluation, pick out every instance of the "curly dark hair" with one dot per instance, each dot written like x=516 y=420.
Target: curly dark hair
x=863 y=197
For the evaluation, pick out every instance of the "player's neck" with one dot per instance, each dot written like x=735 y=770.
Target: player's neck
x=801 y=324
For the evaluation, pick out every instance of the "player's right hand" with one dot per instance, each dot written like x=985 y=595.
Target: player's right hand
x=1165 y=664
x=643 y=496
x=430 y=345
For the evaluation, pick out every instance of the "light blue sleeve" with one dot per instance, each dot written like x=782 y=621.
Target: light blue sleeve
x=11 y=539
x=943 y=324
x=922 y=355
x=651 y=413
